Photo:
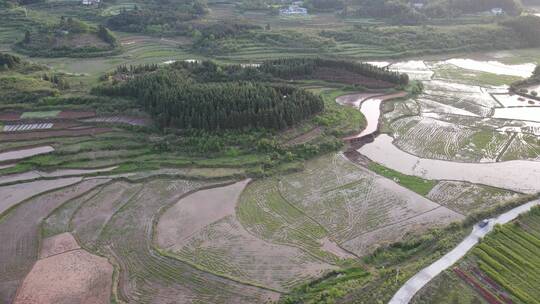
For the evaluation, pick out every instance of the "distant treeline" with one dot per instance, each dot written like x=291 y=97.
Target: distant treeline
x=404 y=12
x=4 y=3
x=533 y=80
x=527 y=27
x=292 y=67
x=177 y=99
x=69 y=37
x=158 y=17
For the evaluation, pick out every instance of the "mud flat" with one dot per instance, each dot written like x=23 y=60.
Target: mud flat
x=24 y=153
x=519 y=113
x=520 y=176
x=66 y=274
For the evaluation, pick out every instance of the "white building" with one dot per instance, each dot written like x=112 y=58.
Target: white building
x=293 y=10
x=90 y=2
x=497 y=11
x=418 y=5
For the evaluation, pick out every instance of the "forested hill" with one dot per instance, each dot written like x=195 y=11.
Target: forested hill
x=328 y=69
x=176 y=100
x=212 y=97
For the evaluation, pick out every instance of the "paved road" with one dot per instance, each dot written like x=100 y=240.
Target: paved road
x=414 y=284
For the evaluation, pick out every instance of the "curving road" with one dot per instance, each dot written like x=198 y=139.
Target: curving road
x=414 y=284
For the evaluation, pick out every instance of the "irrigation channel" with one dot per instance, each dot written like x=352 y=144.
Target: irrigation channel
x=523 y=176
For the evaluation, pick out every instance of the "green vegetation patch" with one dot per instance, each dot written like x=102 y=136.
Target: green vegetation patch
x=416 y=184
x=22 y=89
x=332 y=286
x=509 y=255
x=68 y=38
x=473 y=77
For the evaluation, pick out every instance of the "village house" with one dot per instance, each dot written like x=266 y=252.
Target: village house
x=497 y=11
x=90 y=2
x=293 y=10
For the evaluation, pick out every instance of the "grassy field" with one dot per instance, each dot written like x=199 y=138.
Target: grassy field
x=416 y=184
x=472 y=77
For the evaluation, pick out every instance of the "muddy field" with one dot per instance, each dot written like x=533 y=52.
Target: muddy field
x=66 y=274
x=20 y=234
x=203 y=229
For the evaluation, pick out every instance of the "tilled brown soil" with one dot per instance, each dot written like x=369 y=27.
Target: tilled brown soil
x=58 y=244
x=19 y=234
x=76 y=114
x=66 y=274
x=9 y=116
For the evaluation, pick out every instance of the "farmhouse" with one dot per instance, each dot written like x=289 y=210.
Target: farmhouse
x=418 y=5
x=90 y=2
x=293 y=10
x=497 y=11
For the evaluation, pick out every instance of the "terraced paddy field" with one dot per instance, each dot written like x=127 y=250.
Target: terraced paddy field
x=357 y=207
x=103 y=194
x=215 y=240
x=503 y=268
x=63 y=271
x=458 y=119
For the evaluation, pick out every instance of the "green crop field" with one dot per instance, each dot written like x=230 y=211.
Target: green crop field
x=504 y=267
x=510 y=256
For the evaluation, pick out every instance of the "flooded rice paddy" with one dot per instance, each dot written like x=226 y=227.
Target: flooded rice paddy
x=519 y=113
x=24 y=153
x=494 y=67
x=518 y=175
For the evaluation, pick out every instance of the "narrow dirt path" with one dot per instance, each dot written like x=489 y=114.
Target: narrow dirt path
x=498 y=159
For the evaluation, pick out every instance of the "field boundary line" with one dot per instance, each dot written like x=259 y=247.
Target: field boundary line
x=317 y=222
x=8 y=210
x=175 y=199
x=506 y=146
